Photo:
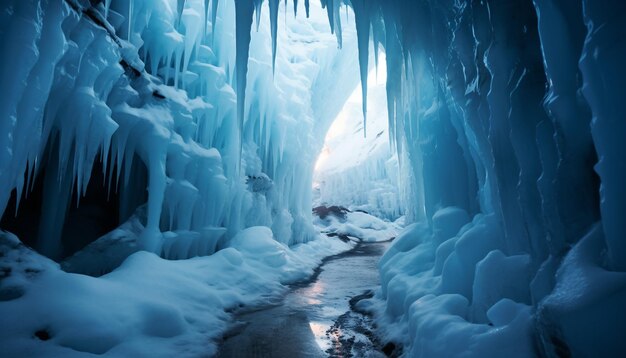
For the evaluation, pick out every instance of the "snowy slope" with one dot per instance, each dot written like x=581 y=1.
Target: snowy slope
x=358 y=171
x=148 y=307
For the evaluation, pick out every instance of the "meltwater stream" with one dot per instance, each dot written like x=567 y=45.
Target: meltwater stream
x=315 y=319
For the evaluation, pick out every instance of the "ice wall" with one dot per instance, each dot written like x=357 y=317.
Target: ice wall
x=148 y=98
x=508 y=114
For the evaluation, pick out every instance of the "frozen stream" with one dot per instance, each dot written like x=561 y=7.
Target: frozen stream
x=315 y=319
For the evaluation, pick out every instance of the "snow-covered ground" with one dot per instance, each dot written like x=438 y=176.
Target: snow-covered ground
x=148 y=307
x=356 y=225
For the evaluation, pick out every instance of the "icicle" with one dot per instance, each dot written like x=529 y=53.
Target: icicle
x=306 y=7
x=214 y=4
x=377 y=34
x=274 y=27
x=206 y=18
x=362 y=20
x=107 y=4
x=295 y=8
x=177 y=62
x=331 y=15
x=257 y=10
x=130 y=19
x=244 y=13
x=337 y=17
x=180 y=7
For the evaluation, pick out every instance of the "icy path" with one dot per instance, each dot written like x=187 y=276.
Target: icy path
x=314 y=319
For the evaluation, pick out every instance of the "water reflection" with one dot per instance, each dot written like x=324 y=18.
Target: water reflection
x=313 y=320
x=319 y=330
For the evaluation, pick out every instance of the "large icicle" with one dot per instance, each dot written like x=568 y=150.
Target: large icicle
x=274 y=24
x=362 y=20
x=214 y=4
x=206 y=18
x=257 y=11
x=244 y=14
x=331 y=15
x=306 y=7
x=337 y=20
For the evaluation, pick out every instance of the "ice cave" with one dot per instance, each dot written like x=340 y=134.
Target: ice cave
x=315 y=178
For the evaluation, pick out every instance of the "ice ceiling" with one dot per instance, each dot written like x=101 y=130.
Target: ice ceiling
x=171 y=126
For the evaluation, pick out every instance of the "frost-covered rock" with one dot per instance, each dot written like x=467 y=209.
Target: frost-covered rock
x=336 y=221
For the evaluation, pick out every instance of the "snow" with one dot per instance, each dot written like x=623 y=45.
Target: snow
x=432 y=311
x=359 y=226
x=148 y=306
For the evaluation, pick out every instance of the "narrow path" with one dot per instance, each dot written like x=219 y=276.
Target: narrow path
x=314 y=319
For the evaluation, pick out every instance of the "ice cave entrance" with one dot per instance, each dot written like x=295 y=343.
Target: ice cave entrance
x=356 y=171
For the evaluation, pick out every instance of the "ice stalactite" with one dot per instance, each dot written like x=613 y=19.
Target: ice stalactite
x=244 y=11
x=362 y=19
x=273 y=5
x=214 y=6
x=330 y=10
x=337 y=20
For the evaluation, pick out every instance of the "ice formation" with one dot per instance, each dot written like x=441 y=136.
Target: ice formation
x=503 y=110
x=122 y=125
x=120 y=95
x=193 y=121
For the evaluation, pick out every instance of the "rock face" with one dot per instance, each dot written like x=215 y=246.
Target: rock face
x=337 y=211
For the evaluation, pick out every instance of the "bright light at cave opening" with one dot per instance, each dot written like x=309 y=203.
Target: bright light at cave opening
x=344 y=144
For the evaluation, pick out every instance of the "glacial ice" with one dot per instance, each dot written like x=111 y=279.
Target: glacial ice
x=495 y=105
x=196 y=125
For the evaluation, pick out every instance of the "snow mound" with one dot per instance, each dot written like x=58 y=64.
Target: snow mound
x=148 y=306
x=355 y=224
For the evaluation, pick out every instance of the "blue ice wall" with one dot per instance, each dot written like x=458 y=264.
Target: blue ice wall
x=512 y=118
